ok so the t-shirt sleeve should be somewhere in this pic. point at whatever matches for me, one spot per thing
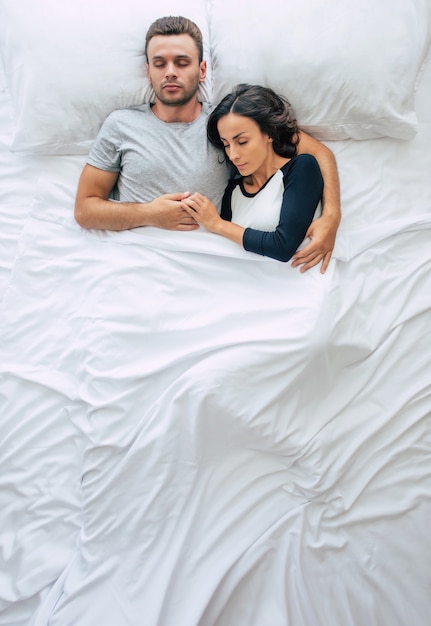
(226, 208)
(105, 153)
(303, 187)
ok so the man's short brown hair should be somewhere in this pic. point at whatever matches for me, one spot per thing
(179, 25)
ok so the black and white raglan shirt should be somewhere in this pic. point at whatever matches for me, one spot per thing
(276, 218)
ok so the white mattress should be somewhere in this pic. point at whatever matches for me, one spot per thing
(195, 435)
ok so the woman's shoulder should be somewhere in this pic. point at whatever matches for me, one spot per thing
(303, 162)
(302, 167)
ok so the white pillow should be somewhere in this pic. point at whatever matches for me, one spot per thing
(348, 68)
(69, 64)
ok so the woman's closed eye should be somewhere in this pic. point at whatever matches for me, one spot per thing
(226, 146)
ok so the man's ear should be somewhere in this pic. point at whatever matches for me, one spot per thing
(147, 72)
(203, 71)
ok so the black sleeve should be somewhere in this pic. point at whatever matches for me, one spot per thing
(303, 187)
(226, 205)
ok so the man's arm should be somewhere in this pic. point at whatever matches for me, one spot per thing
(93, 209)
(323, 230)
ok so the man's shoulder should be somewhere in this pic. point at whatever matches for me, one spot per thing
(207, 107)
(131, 111)
(126, 120)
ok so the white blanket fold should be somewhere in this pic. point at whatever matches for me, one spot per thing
(227, 422)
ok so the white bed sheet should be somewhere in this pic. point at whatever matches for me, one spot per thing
(139, 486)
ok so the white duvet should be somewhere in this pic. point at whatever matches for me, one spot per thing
(244, 439)
(190, 434)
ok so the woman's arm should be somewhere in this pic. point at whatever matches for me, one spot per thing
(303, 189)
(303, 186)
(322, 231)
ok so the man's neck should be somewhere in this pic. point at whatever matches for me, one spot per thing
(184, 113)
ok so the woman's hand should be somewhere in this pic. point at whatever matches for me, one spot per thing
(203, 211)
(206, 214)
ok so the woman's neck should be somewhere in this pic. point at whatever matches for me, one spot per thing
(257, 179)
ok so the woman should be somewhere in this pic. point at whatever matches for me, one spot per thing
(269, 207)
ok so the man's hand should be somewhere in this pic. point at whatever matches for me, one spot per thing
(201, 209)
(322, 234)
(323, 230)
(167, 213)
(95, 209)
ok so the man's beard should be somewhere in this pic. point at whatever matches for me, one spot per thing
(186, 96)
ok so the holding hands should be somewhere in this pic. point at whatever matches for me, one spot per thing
(167, 212)
(201, 209)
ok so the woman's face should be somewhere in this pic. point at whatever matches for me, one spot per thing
(245, 144)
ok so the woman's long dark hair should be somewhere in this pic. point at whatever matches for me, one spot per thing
(271, 112)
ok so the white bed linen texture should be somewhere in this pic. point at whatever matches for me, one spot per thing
(193, 435)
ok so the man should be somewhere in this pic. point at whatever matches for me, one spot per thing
(144, 156)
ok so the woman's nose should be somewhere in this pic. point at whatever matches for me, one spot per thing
(233, 154)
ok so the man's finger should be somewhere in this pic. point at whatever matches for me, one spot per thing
(303, 258)
(325, 262)
(187, 226)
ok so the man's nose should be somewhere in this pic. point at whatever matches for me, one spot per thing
(171, 69)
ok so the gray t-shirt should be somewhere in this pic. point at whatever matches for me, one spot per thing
(155, 157)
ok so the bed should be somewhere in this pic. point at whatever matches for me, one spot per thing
(190, 434)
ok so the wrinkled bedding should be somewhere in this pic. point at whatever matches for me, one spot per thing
(193, 435)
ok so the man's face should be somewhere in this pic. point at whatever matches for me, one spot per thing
(173, 68)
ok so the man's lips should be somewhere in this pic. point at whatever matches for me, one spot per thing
(171, 86)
